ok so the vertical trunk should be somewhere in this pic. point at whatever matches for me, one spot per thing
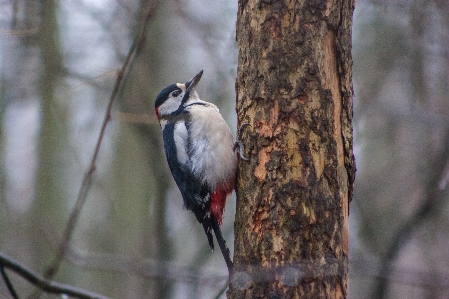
(53, 132)
(138, 151)
(294, 88)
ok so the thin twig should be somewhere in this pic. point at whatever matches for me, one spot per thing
(222, 291)
(433, 200)
(426, 279)
(142, 267)
(45, 284)
(87, 180)
(8, 283)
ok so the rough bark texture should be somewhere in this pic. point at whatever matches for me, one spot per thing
(294, 88)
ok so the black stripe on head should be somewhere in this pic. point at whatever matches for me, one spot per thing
(164, 94)
(185, 98)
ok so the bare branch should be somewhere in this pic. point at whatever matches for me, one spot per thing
(222, 291)
(45, 284)
(433, 200)
(8, 283)
(407, 276)
(139, 39)
(143, 267)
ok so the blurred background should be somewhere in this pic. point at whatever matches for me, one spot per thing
(59, 62)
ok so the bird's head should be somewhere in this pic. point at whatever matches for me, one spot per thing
(173, 98)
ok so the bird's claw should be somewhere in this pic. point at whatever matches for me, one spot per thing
(238, 144)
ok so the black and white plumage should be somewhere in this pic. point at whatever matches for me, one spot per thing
(200, 152)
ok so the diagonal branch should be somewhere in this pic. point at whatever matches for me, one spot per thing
(142, 267)
(87, 180)
(45, 284)
(8, 283)
(434, 198)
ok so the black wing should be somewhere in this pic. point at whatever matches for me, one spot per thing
(195, 194)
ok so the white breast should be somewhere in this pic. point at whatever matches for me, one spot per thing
(180, 138)
(211, 149)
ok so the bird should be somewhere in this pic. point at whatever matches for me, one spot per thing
(201, 154)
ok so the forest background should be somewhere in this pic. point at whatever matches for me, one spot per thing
(133, 238)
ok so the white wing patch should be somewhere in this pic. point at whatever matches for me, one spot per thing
(181, 137)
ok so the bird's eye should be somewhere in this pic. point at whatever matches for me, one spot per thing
(176, 93)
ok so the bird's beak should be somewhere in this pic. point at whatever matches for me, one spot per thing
(194, 81)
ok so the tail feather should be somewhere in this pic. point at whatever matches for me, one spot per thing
(223, 247)
(207, 226)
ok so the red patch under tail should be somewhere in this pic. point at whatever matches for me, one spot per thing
(218, 203)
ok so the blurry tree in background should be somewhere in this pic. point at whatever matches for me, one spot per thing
(399, 214)
(59, 61)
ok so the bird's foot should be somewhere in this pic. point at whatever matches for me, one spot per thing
(238, 145)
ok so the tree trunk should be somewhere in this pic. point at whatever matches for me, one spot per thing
(294, 88)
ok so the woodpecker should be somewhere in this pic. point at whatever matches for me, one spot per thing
(200, 152)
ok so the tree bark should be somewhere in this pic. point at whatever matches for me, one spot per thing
(294, 87)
